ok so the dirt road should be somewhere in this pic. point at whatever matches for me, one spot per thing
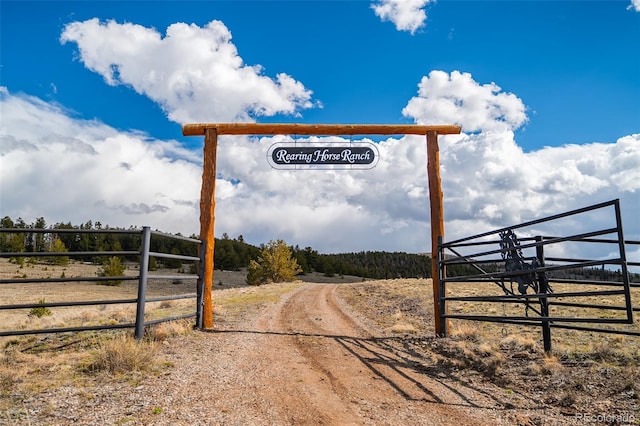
(304, 360)
(336, 373)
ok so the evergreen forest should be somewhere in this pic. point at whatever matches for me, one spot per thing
(230, 253)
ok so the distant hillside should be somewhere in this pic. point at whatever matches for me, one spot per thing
(233, 254)
(368, 264)
(230, 254)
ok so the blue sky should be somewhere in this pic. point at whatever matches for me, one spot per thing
(93, 95)
(574, 64)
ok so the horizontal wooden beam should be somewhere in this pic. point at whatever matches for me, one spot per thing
(198, 129)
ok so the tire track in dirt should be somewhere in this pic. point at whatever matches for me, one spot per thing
(303, 361)
(308, 393)
(349, 377)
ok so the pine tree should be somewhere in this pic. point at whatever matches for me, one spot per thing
(57, 246)
(113, 267)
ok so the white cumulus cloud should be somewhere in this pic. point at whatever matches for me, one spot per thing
(406, 15)
(490, 182)
(66, 169)
(635, 5)
(194, 73)
(458, 98)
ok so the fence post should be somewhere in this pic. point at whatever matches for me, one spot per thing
(623, 263)
(142, 281)
(442, 275)
(544, 303)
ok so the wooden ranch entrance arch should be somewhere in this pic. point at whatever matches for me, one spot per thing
(211, 131)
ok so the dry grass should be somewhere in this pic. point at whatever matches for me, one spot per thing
(483, 357)
(584, 366)
(550, 365)
(122, 354)
(402, 325)
(403, 328)
(33, 365)
(520, 343)
(468, 331)
(391, 302)
(7, 380)
(229, 304)
(256, 295)
(168, 329)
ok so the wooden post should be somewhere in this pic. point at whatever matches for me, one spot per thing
(437, 224)
(198, 129)
(207, 220)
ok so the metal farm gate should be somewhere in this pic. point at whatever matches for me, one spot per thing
(139, 251)
(530, 274)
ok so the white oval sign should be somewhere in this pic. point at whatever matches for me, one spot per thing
(323, 155)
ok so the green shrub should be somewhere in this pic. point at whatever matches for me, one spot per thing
(40, 311)
(274, 265)
(57, 246)
(17, 261)
(153, 263)
(113, 267)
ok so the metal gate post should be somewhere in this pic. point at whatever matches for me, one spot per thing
(142, 281)
(442, 274)
(544, 303)
(623, 263)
